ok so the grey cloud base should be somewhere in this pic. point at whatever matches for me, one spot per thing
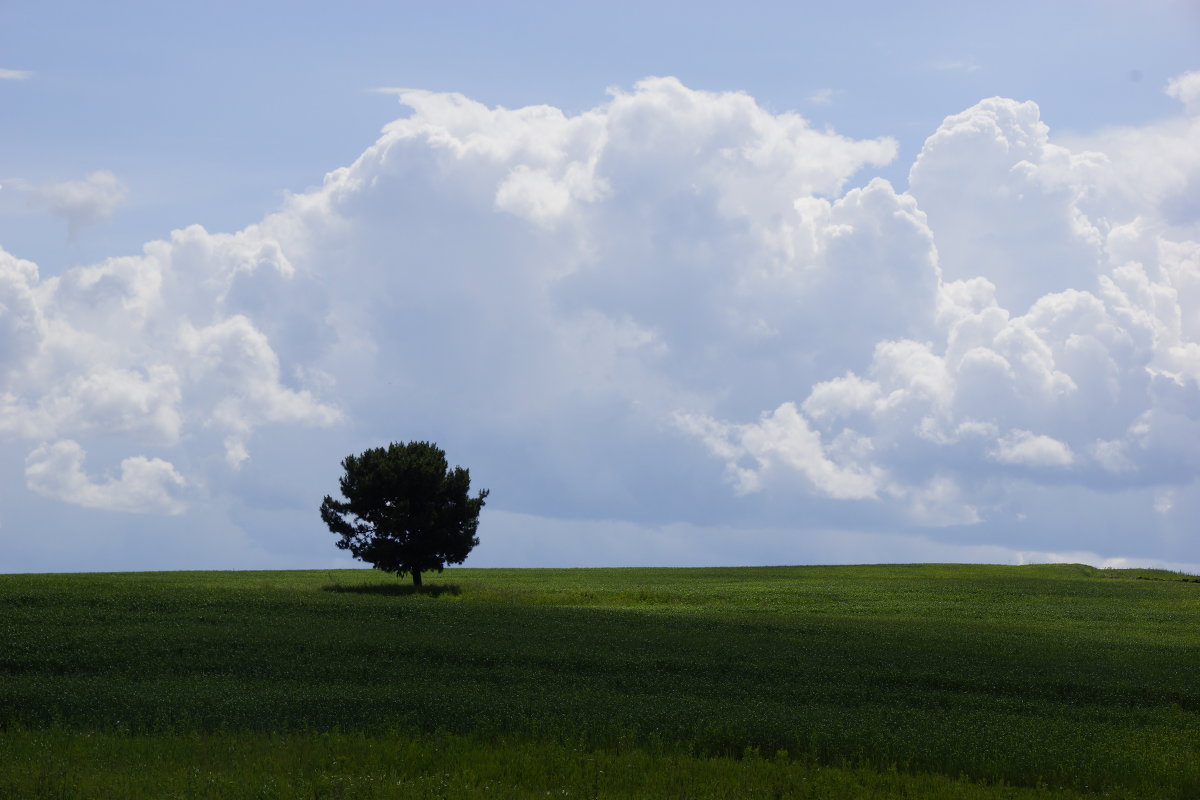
(676, 312)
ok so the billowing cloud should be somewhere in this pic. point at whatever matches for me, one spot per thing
(94, 199)
(145, 485)
(674, 309)
(155, 350)
(783, 439)
(1063, 347)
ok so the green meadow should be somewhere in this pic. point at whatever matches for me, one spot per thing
(877, 681)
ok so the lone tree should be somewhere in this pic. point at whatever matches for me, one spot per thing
(406, 510)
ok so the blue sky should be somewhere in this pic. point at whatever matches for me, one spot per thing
(212, 110)
(773, 285)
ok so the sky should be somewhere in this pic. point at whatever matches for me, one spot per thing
(680, 284)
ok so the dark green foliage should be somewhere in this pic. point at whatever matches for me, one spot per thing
(406, 511)
(1061, 676)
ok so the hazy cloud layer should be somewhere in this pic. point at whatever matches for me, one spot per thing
(674, 309)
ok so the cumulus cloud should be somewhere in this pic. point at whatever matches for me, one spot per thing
(1030, 449)
(21, 320)
(1056, 343)
(1186, 88)
(158, 349)
(86, 202)
(1002, 202)
(783, 439)
(144, 486)
(675, 307)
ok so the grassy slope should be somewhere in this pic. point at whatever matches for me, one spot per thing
(1063, 676)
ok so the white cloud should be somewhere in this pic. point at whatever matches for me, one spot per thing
(158, 349)
(1001, 200)
(15, 74)
(783, 439)
(842, 397)
(239, 371)
(1031, 450)
(89, 201)
(1186, 88)
(143, 404)
(1015, 219)
(21, 322)
(145, 485)
(672, 308)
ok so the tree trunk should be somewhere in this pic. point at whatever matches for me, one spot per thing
(416, 573)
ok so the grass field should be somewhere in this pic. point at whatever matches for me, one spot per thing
(880, 681)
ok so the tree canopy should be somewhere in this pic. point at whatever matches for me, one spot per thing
(405, 511)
